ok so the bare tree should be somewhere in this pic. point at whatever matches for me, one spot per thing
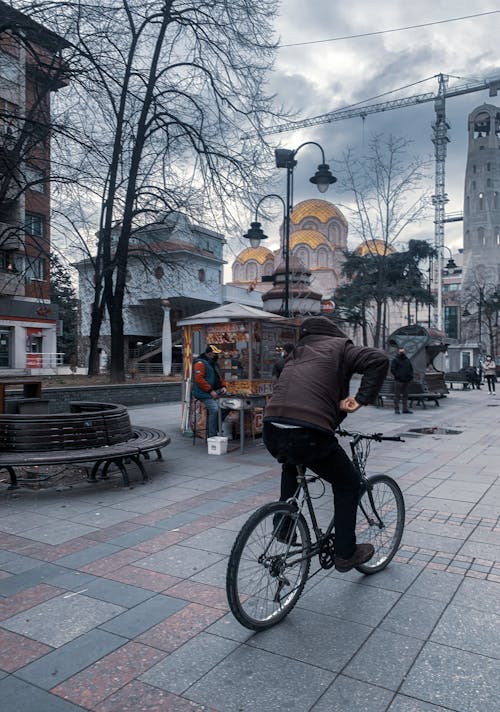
(164, 93)
(389, 197)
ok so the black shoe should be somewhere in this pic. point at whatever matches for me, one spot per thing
(407, 411)
(362, 554)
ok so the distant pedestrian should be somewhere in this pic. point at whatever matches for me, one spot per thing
(279, 365)
(402, 370)
(490, 373)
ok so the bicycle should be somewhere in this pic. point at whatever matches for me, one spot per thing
(270, 560)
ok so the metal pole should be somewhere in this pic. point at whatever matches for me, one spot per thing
(286, 246)
(480, 317)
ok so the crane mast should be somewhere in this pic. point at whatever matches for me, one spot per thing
(440, 139)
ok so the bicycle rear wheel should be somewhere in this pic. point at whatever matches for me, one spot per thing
(380, 521)
(268, 565)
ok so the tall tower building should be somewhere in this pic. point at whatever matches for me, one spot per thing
(482, 199)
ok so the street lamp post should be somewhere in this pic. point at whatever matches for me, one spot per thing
(323, 178)
(450, 265)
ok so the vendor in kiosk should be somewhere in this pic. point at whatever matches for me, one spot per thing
(209, 385)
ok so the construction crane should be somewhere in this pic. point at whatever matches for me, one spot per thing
(440, 139)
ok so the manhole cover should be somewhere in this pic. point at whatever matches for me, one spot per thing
(435, 431)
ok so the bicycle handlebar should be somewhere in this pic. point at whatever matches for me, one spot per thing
(378, 437)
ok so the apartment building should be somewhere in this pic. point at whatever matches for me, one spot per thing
(31, 69)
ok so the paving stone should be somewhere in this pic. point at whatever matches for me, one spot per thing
(189, 663)
(480, 550)
(316, 639)
(481, 595)
(72, 580)
(216, 540)
(26, 598)
(176, 521)
(180, 627)
(395, 577)
(151, 580)
(17, 651)
(228, 627)
(454, 679)
(347, 694)
(69, 659)
(413, 616)
(61, 619)
(58, 533)
(349, 601)
(143, 616)
(469, 629)
(214, 575)
(22, 697)
(179, 560)
(384, 659)
(136, 536)
(139, 697)
(438, 585)
(209, 507)
(92, 685)
(431, 541)
(264, 682)
(42, 574)
(86, 556)
(18, 564)
(114, 592)
(401, 703)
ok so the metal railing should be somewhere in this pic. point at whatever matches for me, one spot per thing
(44, 360)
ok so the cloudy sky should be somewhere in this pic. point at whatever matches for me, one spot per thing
(313, 77)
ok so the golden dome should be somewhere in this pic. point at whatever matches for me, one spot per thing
(374, 247)
(259, 254)
(312, 238)
(322, 210)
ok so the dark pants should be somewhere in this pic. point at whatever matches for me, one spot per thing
(401, 392)
(491, 380)
(322, 454)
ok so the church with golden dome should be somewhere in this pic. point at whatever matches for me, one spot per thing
(318, 238)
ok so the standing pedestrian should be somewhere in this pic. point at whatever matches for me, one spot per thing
(279, 365)
(402, 370)
(490, 373)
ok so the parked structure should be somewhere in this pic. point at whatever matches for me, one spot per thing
(31, 69)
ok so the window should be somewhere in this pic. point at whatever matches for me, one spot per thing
(495, 200)
(451, 321)
(465, 359)
(481, 201)
(34, 224)
(34, 269)
(202, 275)
(159, 272)
(8, 68)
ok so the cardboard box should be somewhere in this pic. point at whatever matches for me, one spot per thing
(217, 445)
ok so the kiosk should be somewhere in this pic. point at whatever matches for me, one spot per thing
(422, 345)
(250, 339)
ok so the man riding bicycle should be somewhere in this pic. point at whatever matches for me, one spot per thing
(309, 401)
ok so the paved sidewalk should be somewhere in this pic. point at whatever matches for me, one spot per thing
(113, 599)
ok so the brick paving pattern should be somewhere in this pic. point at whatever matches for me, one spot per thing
(113, 599)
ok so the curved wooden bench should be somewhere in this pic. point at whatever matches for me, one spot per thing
(92, 432)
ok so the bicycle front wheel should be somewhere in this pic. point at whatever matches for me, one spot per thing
(268, 565)
(380, 521)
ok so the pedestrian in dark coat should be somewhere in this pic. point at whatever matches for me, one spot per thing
(402, 370)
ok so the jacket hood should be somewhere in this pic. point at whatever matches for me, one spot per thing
(320, 325)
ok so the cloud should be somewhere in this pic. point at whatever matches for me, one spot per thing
(319, 78)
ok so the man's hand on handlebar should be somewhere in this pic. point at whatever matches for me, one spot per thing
(349, 404)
